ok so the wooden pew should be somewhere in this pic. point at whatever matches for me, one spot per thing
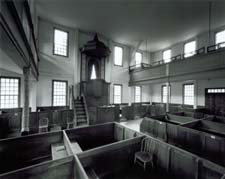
(57, 169)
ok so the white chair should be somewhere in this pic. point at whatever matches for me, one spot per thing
(223, 177)
(43, 125)
(145, 156)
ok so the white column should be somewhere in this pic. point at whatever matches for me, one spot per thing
(25, 114)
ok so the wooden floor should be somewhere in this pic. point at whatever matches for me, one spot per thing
(132, 124)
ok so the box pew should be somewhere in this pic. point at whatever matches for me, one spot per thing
(211, 127)
(211, 147)
(28, 150)
(110, 158)
(57, 169)
(220, 119)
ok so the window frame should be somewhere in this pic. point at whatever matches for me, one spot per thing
(218, 44)
(135, 94)
(19, 89)
(67, 48)
(194, 52)
(183, 96)
(115, 55)
(169, 49)
(169, 86)
(138, 65)
(54, 80)
(121, 95)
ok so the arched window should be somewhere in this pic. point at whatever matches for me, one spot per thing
(93, 72)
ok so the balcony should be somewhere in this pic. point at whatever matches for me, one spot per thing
(205, 63)
(17, 34)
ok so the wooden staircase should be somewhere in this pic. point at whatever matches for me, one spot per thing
(80, 110)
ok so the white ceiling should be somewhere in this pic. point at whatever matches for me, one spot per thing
(162, 22)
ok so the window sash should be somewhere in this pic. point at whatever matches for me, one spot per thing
(60, 42)
(188, 94)
(138, 59)
(118, 56)
(137, 94)
(189, 49)
(59, 93)
(9, 92)
(167, 56)
(220, 38)
(165, 94)
(117, 95)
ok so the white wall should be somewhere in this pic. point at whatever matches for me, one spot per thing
(178, 48)
(177, 90)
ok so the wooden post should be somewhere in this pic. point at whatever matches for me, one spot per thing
(26, 111)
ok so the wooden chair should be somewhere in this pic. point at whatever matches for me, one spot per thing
(70, 120)
(43, 125)
(145, 156)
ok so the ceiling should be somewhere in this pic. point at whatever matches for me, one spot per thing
(160, 23)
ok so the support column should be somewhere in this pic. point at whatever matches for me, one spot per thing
(26, 112)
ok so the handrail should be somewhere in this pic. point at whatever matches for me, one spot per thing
(200, 51)
(85, 107)
(73, 104)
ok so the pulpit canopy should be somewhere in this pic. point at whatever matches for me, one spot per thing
(96, 48)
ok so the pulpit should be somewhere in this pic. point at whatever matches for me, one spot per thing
(93, 85)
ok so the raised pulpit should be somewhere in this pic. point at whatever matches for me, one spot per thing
(93, 85)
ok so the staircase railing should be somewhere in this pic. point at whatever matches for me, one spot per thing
(85, 107)
(74, 109)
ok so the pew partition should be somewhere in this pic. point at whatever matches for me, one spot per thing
(58, 169)
(211, 147)
(30, 150)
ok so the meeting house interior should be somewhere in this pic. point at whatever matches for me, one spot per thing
(112, 89)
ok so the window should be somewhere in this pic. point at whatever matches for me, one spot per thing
(165, 93)
(118, 56)
(9, 92)
(117, 94)
(167, 56)
(93, 73)
(137, 94)
(220, 38)
(60, 43)
(59, 93)
(188, 94)
(216, 90)
(189, 49)
(138, 59)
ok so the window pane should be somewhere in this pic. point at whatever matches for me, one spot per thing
(60, 42)
(167, 56)
(137, 94)
(118, 56)
(93, 73)
(189, 49)
(9, 93)
(138, 59)
(220, 37)
(189, 94)
(165, 94)
(117, 94)
(59, 93)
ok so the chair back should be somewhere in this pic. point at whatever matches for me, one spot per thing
(43, 122)
(223, 177)
(70, 117)
(147, 145)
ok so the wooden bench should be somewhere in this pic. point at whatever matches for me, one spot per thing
(58, 151)
(76, 147)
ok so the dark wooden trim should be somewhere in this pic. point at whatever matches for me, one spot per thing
(67, 48)
(54, 80)
(121, 93)
(14, 13)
